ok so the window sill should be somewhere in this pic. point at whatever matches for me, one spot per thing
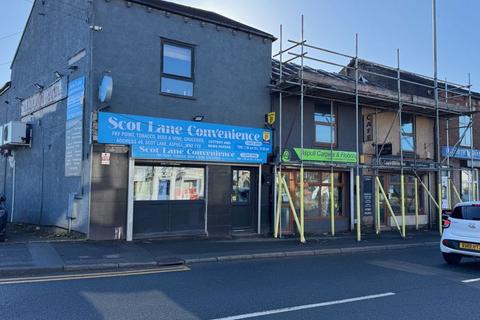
(172, 95)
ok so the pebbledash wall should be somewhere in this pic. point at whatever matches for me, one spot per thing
(231, 67)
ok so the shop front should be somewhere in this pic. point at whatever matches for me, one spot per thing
(190, 178)
(391, 183)
(327, 191)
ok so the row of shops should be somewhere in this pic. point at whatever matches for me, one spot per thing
(194, 130)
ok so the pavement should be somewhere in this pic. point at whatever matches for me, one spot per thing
(401, 284)
(73, 256)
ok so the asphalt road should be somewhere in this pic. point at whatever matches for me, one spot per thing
(397, 284)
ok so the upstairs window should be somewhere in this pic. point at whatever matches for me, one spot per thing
(177, 69)
(325, 124)
(408, 134)
(465, 130)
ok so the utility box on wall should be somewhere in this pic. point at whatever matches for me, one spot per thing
(15, 133)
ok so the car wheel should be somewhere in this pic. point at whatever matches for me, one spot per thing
(452, 258)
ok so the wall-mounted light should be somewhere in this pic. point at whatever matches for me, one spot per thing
(57, 74)
(198, 118)
(38, 86)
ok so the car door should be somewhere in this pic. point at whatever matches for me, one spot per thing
(466, 222)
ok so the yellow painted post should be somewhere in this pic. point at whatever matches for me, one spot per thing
(279, 205)
(416, 202)
(440, 208)
(359, 232)
(402, 206)
(377, 205)
(332, 203)
(302, 205)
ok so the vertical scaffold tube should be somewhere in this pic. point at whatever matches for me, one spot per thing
(302, 205)
(416, 202)
(332, 203)
(279, 204)
(402, 195)
(377, 205)
(440, 208)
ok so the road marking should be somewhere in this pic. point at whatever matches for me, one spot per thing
(471, 280)
(91, 275)
(307, 306)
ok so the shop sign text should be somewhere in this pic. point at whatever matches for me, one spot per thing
(170, 139)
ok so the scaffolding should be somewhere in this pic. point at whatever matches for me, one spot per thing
(443, 101)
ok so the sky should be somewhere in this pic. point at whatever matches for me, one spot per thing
(382, 27)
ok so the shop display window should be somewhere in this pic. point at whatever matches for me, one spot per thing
(157, 183)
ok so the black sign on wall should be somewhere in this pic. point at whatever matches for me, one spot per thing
(367, 195)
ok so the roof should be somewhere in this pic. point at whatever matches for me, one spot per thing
(341, 86)
(5, 87)
(410, 78)
(203, 15)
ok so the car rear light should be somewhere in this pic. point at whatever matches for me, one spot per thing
(446, 223)
(476, 205)
(445, 242)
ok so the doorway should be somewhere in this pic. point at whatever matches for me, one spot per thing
(243, 198)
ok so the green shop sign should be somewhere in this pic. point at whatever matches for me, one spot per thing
(323, 155)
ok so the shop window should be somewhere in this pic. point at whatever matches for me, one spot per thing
(157, 183)
(241, 186)
(317, 193)
(408, 134)
(394, 194)
(177, 69)
(465, 131)
(325, 124)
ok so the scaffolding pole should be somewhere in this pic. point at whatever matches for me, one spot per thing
(332, 187)
(402, 178)
(357, 160)
(416, 202)
(471, 140)
(437, 114)
(302, 184)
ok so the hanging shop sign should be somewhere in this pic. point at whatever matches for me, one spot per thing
(325, 155)
(461, 153)
(40, 100)
(74, 127)
(169, 139)
(368, 127)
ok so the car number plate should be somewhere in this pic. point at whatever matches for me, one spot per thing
(470, 246)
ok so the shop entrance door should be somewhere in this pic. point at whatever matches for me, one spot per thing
(243, 198)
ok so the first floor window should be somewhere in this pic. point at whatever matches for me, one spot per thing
(177, 69)
(325, 124)
(465, 131)
(408, 134)
(159, 183)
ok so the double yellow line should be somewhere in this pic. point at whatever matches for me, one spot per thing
(95, 275)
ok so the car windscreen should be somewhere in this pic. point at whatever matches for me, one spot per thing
(466, 213)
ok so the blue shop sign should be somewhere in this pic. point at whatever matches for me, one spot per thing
(169, 139)
(461, 153)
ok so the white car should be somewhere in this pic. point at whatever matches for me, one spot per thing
(461, 233)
